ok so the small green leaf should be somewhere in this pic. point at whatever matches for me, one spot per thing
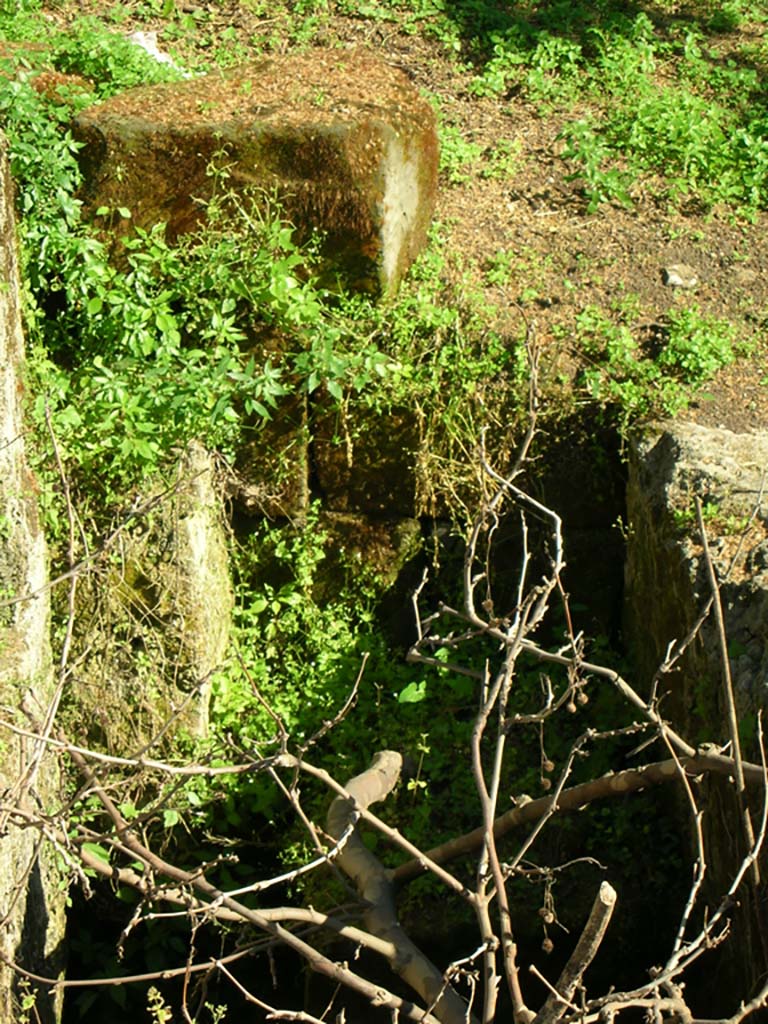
(335, 390)
(413, 693)
(95, 850)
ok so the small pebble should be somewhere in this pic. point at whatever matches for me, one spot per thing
(680, 275)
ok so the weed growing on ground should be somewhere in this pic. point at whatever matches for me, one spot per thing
(458, 155)
(633, 382)
(662, 101)
(695, 346)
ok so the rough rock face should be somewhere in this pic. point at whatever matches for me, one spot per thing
(669, 466)
(375, 471)
(31, 906)
(203, 588)
(154, 629)
(347, 142)
(667, 586)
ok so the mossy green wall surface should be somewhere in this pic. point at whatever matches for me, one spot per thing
(31, 904)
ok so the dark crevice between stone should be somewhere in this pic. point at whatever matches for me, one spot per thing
(31, 949)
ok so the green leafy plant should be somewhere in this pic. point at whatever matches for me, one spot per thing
(111, 61)
(696, 346)
(722, 523)
(161, 344)
(458, 155)
(27, 1003)
(635, 383)
(159, 1011)
(14, 8)
(586, 146)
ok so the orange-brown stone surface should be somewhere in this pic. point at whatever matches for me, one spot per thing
(344, 139)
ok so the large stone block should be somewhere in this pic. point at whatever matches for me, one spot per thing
(667, 586)
(671, 465)
(344, 139)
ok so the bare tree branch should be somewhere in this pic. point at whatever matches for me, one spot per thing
(730, 699)
(374, 884)
(582, 956)
(615, 784)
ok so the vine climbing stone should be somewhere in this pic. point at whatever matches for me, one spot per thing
(342, 138)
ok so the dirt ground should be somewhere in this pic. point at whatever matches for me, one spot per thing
(568, 258)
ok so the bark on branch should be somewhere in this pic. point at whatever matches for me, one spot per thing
(374, 883)
(376, 995)
(572, 799)
(582, 956)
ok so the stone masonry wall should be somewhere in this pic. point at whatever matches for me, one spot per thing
(31, 904)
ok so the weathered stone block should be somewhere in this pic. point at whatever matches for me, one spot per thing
(383, 547)
(344, 138)
(369, 464)
(670, 465)
(666, 588)
(155, 628)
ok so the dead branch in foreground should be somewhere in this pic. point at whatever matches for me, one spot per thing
(473, 988)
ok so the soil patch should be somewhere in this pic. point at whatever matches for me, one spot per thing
(558, 259)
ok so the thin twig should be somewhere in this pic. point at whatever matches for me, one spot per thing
(730, 699)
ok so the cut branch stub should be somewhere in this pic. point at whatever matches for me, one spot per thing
(582, 956)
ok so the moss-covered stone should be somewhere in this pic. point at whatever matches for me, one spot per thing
(670, 466)
(155, 628)
(31, 900)
(368, 462)
(344, 138)
(380, 547)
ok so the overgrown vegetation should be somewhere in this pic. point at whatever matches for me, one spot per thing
(631, 377)
(132, 363)
(213, 334)
(136, 362)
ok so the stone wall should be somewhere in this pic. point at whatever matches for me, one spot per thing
(667, 586)
(31, 903)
